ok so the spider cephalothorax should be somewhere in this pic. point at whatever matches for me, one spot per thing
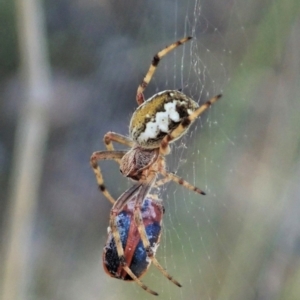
(136, 160)
(156, 123)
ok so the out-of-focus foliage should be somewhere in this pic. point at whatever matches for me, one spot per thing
(8, 39)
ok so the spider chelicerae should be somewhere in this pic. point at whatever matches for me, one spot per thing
(156, 123)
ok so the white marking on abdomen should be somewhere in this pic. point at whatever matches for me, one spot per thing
(161, 123)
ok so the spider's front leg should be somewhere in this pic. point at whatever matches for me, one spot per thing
(178, 180)
(110, 154)
(118, 138)
(184, 124)
(100, 155)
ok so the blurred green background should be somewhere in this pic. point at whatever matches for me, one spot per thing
(242, 240)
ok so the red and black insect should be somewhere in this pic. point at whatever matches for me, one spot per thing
(140, 232)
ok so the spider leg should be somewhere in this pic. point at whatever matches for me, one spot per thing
(180, 181)
(109, 137)
(186, 122)
(121, 256)
(162, 181)
(139, 96)
(101, 155)
(150, 253)
(137, 190)
(118, 138)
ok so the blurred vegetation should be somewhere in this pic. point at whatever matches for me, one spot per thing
(8, 39)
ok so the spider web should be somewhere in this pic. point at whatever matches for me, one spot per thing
(194, 247)
(214, 245)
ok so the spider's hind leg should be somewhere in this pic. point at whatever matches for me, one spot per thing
(150, 253)
(120, 251)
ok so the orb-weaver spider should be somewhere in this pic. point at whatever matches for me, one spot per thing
(155, 124)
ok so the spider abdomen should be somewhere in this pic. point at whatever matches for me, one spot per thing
(158, 116)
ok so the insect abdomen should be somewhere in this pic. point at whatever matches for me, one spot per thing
(134, 250)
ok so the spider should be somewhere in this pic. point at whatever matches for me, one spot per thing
(156, 123)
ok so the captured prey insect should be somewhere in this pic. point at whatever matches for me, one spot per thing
(139, 225)
(156, 123)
